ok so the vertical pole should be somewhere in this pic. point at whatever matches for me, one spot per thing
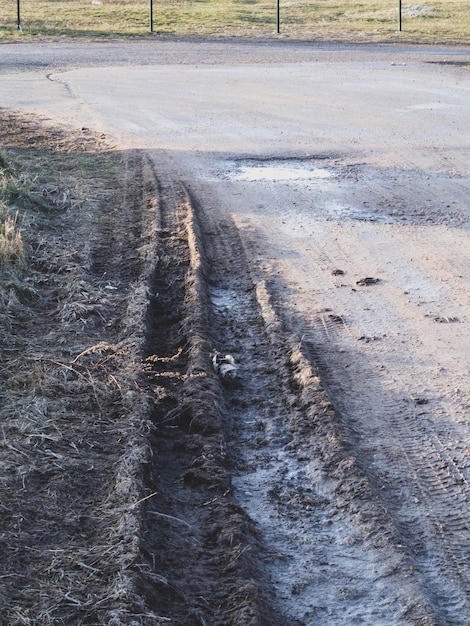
(278, 17)
(18, 14)
(151, 16)
(399, 16)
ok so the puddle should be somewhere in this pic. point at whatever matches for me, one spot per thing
(302, 187)
(280, 171)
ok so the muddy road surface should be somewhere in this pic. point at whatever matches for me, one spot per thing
(311, 210)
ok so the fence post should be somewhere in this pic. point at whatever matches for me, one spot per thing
(18, 14)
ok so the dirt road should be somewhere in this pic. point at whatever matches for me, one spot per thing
(312, 221)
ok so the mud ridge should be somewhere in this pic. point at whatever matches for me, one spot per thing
(308, 396)
(71, 412)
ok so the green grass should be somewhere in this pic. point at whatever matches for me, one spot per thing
(374, 20)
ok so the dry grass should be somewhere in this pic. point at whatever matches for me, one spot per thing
(22, 195)
(11, 241)
(71, 410)
(375, 20)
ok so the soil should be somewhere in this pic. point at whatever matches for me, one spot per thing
(138, 486)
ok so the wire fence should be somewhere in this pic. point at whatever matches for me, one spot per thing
(437, 21)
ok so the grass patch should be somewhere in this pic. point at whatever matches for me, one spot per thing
(41, 187)
(11, 241)
(435, 21)
(71, 412)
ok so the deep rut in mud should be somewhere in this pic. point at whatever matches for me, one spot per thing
(200, 546)
(262, 514)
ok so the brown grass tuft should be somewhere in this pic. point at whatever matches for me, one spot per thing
(11, 241)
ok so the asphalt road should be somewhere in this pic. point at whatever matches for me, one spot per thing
(264, 98)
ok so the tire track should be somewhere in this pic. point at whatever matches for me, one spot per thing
(421, 471)
(319, 484)
(330, 551)
(199, 549)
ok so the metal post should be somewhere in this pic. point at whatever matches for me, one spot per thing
(151, 16)
(18, 14)
(278, 17)
(399, 16)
